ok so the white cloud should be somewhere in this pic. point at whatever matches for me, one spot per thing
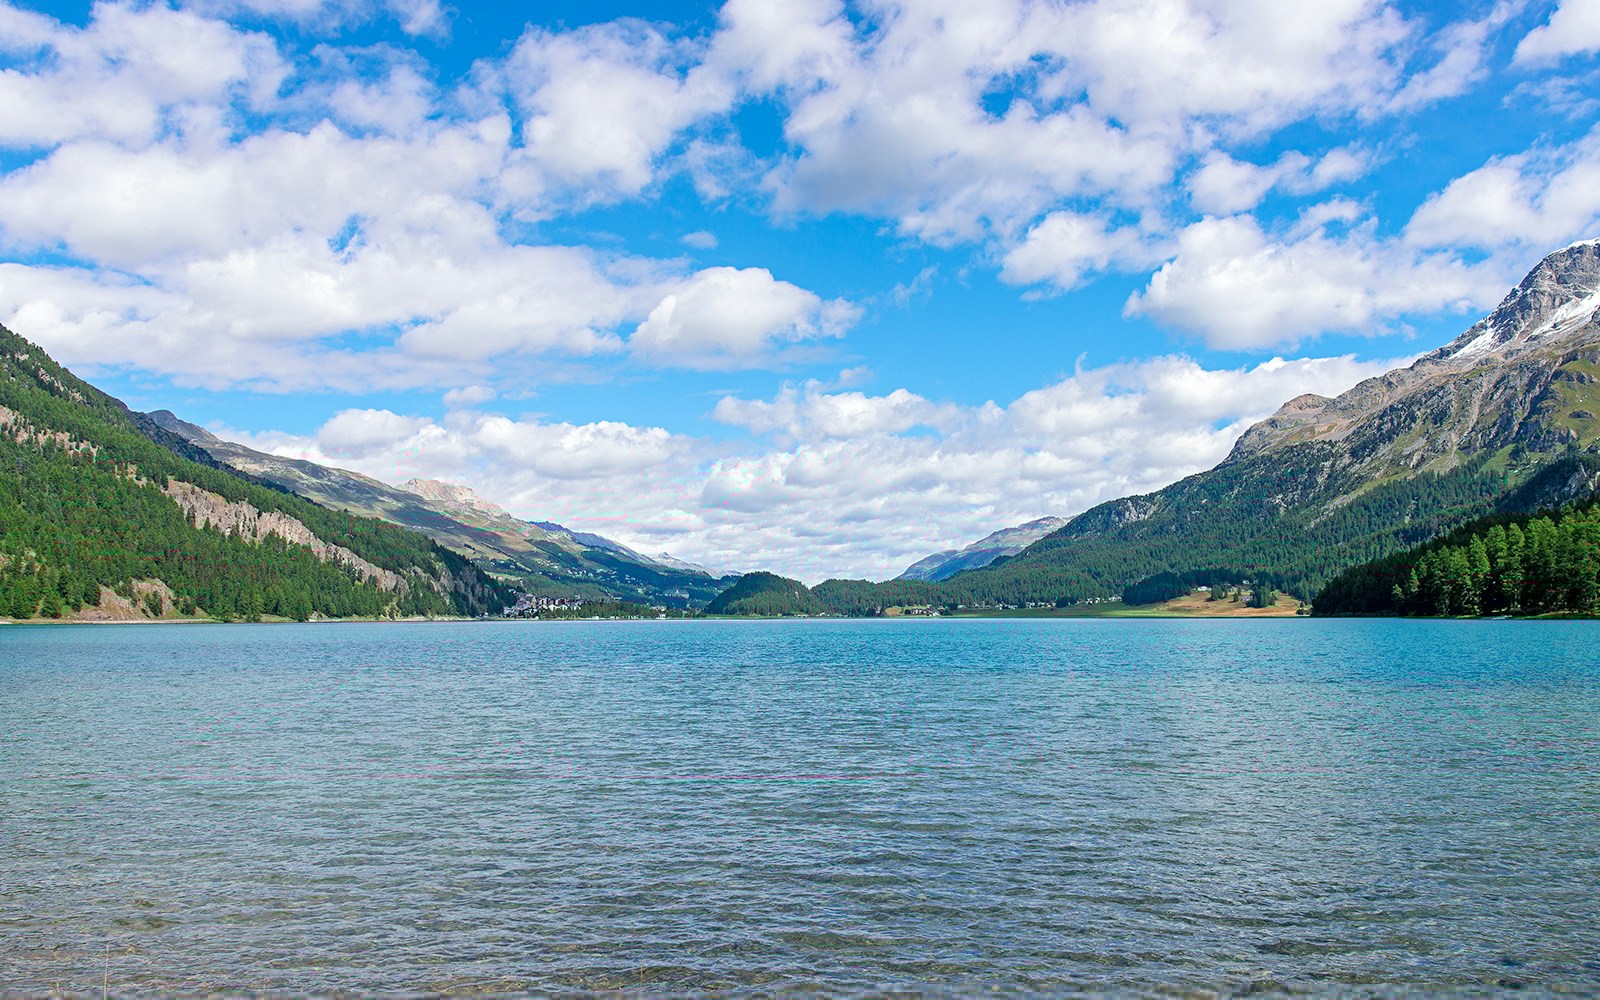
(1536, 201)
(398, 104)
(133, 73)
(928, 155)
(700, 239)
(1464, 48)
(1573, 28)
(848, 483)
(600, 451)
(420, 17)
(894, 122)
(387, 202)
(356, 433)
(728, 317)
(175, 201)
(231, 262)
(1240, 289)
(784, 45)
(1225, 186)
(601, 105)
(808, 412)
(415, 17)
(1572, 96)
(1067, 247)
(1247, 66)
(468, 396)
(1102, 100)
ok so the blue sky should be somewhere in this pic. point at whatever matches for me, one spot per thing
(808, 286)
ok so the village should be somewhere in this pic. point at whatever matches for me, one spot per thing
(543, 606)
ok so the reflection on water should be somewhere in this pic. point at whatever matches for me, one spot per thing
(959, 806)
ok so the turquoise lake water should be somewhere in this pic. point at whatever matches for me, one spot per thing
(1049, 806)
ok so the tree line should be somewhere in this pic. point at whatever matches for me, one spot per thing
(1546, 563)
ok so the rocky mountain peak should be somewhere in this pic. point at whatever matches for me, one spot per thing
(1538, 326)
(1555, 303)
(169, 421)
(450, 495)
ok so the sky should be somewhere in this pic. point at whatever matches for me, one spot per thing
(805, 286)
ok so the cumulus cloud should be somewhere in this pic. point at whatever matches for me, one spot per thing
(390, 201)
(130, 75)
(601, 105)
(1066, 247)
(808, 412)
(1573, 28)
(238, 261)
(1240, 289)
(468, 396)
(1536, 200)
(354, 433)
(731, 317)
(840, 482)
(1224, 186)
(897, 116)
(397, 103)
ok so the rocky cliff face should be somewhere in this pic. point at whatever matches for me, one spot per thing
(238, 518)
(452, 496)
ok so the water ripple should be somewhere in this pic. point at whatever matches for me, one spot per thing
(1172, 809)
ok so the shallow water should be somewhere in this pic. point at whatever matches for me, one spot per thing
(957, 806)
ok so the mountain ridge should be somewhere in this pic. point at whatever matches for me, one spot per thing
(544, 558)
(1005, 542)
(1501, 417)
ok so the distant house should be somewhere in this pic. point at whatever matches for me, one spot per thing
(529, 605)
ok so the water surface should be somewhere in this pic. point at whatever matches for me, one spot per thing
(1051, 806)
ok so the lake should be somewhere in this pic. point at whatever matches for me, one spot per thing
(954, 806)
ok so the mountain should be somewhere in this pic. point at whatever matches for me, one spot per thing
(1502, 419)
(1005, 542)
(672, 562)
(104, 514)
(1525, 375)
(765, 594)
(542, 557)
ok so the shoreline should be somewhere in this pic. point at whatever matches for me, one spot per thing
(1029, 614)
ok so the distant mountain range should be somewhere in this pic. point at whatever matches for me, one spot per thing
(1005, 542)
(1502, 419)
(540, 556)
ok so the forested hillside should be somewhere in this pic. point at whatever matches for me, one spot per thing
(1526, 564)
(765, 594)
(91, 506)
